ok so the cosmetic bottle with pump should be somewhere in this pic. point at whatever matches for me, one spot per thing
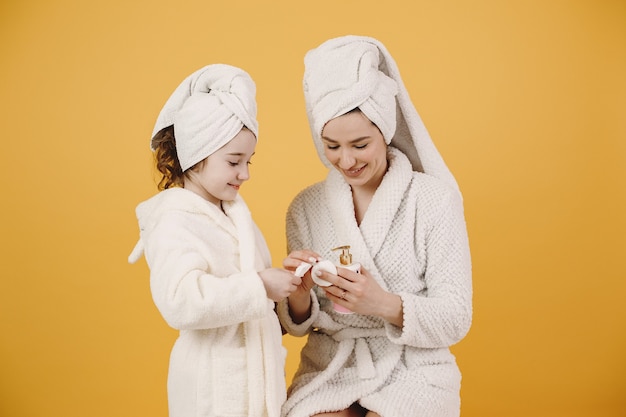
(345, 261)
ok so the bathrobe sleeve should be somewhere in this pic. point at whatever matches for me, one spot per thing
(194, 278)
(442, 315)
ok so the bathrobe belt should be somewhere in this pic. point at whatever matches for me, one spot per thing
(354, 340)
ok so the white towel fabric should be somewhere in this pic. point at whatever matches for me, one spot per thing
(357, 71)
(207, 110)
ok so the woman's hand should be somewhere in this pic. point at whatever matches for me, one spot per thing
(300, 299)
(361, 293)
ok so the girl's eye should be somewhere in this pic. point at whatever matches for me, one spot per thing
(332, 147)
(360, 146)
(233, 164)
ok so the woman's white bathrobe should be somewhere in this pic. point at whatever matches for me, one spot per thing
(228, 359)
(413, 240)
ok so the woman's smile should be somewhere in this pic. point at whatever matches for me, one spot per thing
(356, 148)
(355, 172)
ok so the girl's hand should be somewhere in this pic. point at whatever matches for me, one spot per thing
(361, 293)
(279, 283)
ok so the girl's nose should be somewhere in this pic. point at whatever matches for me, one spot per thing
(244, 173)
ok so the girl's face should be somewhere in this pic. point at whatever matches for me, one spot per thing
(220, 175)
(357, 149)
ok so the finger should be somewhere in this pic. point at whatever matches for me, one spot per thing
(347, 274)
(334, 291)
(342, 293)
(331, 279)
(306, 255)
(291, 263)
(294, 260)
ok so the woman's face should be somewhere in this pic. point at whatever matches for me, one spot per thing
(357, 149)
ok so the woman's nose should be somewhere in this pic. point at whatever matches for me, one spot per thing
(346, 159)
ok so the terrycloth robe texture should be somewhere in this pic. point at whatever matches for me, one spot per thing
(413, 240)
(207, 110)
(228, 359)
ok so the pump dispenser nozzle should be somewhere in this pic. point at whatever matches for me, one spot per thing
(345, 258)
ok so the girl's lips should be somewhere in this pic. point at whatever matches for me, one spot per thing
(235, 186)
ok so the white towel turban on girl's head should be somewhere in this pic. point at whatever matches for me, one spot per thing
(207, 110)
(357, 71)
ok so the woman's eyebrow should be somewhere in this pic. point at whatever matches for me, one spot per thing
(327, 139)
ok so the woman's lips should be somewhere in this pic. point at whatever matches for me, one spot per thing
(353, 172)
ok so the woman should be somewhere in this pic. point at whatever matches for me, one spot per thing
(391, 198)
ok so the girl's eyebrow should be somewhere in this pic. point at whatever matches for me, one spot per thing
(239, 154)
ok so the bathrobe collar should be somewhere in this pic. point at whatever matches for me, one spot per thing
(235, 220)
(367, 239)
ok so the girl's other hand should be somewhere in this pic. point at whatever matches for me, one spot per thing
(279, 283)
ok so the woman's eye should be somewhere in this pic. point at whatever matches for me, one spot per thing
(332, 147)
(360, 146)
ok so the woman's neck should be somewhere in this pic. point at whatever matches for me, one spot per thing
(361, 198)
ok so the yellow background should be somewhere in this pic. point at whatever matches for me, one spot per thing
(525, 100)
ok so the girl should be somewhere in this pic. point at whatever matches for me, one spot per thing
(210, 273)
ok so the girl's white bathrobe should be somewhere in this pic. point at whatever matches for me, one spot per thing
(228, 359)
(414, 242)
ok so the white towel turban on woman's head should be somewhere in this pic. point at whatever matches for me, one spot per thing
(207, 110)
(358, 72)
(345, 76)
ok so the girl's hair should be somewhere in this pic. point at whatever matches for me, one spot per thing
(166, 159)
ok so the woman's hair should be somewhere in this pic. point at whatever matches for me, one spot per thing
(166, 159)
(358, 110)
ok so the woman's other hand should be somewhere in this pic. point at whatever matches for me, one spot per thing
(300, 298)
(361, 293)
